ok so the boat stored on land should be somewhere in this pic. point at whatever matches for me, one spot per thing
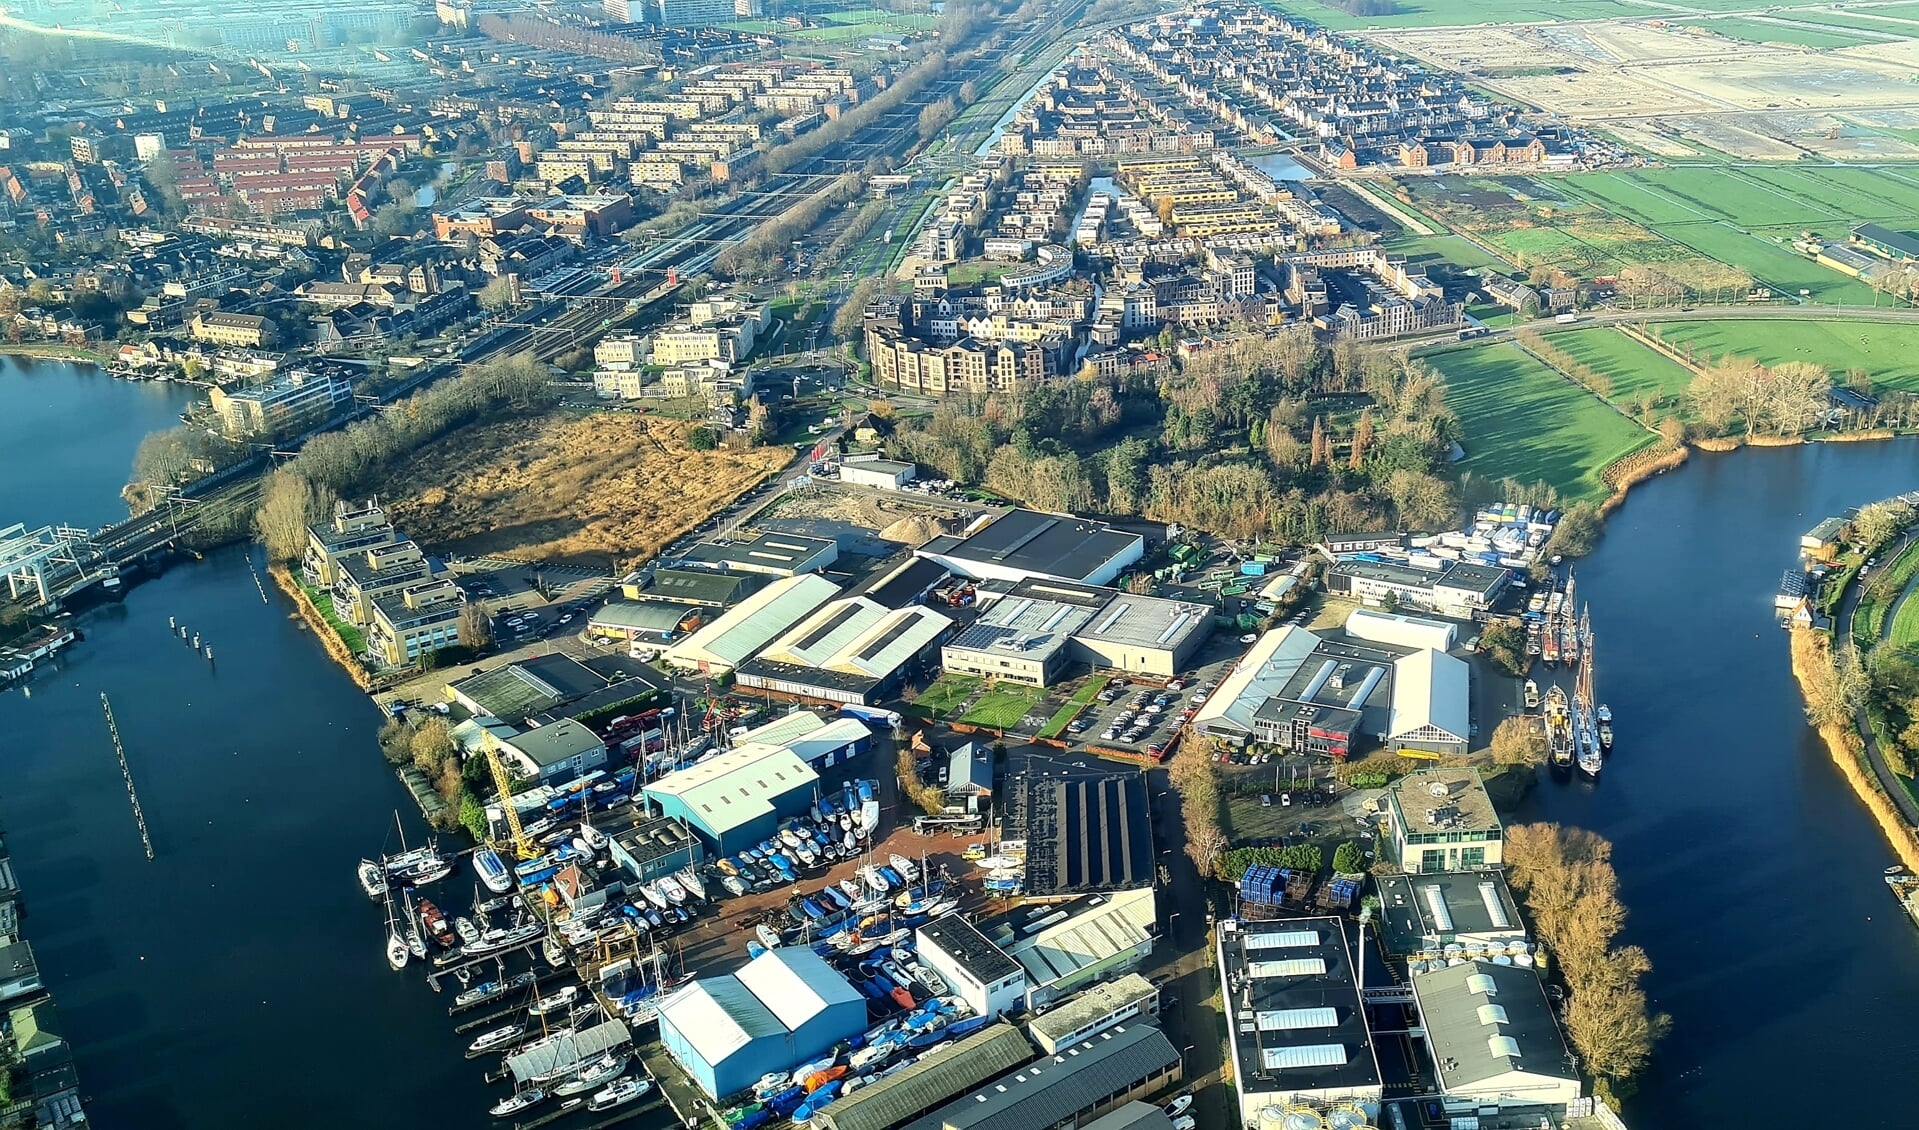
(492, 871)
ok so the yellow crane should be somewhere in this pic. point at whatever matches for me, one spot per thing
(522, 847)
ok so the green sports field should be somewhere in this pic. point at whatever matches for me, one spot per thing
(1523, 421)
(1636, 370)
(1887, 351)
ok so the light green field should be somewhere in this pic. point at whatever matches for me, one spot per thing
(1636, 370)
(1459, 251)
(1523, 421)
(1862, 22)
(1762, 31)
(1887, 351)
(1904, 633)
(1450, 13)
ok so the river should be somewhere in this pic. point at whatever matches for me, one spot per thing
(1751, 871)
(67, 436)
(237, 979)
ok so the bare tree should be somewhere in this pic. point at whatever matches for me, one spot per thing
(1520, 741)
(476, 627)
(288, 506)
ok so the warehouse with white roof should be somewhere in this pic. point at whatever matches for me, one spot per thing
(855, 650)
(785, 1007)
(1432, 712)
(743, 630)
(735, 799)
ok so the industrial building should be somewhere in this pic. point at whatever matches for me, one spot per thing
(1455, 588)
(1092, 1011)
(1021, 543)
(743, 630)
(775, 554)
(850, 651)
(1040, 627)
(882, 474)
(556, 753)
(1427, 913)
(738, 798)
(1294, 1017)
(1080, 833)
(781, 1009)
(815, 740)
(935, 1078)
(645, 621)
(519, 690)
(1091, 1078)
(978, 971)
(702, 588)
(1060, 948)
(1296, 690)
(654, 846)
(1401, 631)
(1493, 1036)
(1442, 820)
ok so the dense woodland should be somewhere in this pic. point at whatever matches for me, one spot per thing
(1263, 438)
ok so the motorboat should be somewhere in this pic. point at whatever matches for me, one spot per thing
(495, 940)
(492, 871)
(555, 1002)
(652, 894)
(619, 1094)
(671, 888)
(853, 890)
(1178, 1106)
(489, 990)
(469, 933)
(372, 879)
(435, 925)
(770, 1084)
(490, 1040)
(922, 973)
(733, 886)
(1532, 695)
(768, 936)
(532, 1096)
(907, 869)
(601, 1071)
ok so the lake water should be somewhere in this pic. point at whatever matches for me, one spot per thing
(237, 980)
(67, 436)
(1281, 167)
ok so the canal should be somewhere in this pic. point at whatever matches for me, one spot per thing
(1751, 872)
(238, 979)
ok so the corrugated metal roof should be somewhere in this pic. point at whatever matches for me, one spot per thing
(1059, 951)
(565, 1050)
(756, 621)
(1261, 674)
(1430, 689)
(641, 615)
(796, 985)
(936, 1079)
(859, 636)
(735, 787)
(1484, 1020)
(1054, 1089)
(783, 730)
(718, 1016)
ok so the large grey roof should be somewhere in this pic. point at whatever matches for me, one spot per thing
(1091, 1003)
(1059, 1086)
(897, 1098)
(550, 745)
(1147, 621)
(1463, 1018)
(1046, 544)
(1135, 1115)
(1293, 1008)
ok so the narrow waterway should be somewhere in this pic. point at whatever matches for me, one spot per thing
(67, 437)
(1751, 872)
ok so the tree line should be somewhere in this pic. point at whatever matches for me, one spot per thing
(759, 253)
(1267, 437)
(1566, 879)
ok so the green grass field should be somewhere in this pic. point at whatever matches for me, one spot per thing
(351, 636)
(1636, 370)
(1905, 626)
(1887, 351)
(1452, 13)
(1523, 421)
(1864, 22)
(1762, 31)
(1456, 250)
(1003, 706)
(944, 695)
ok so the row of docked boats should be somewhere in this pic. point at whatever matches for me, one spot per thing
(892, 1046)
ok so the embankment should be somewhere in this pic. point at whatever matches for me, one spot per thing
(1810, 651)
(1622, 474)
(314, 620)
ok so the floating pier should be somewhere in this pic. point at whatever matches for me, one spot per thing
(120, 751)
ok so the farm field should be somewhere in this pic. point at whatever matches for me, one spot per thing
(1887, 351)
(1636, 370)
(1454, 249)
(1455, 13)
(1866, 21)
(1766, 31)
(1523, 421)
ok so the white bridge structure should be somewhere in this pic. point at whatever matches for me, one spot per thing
(33, 559)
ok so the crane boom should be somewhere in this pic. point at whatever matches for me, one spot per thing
(522, 847)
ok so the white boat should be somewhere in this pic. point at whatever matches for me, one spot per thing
(555, 1002)
(372, 879)
(554, 951)
(1604, 713)
(397, 954)
(492, 871)
(619, 1094)
(770, 1084)
(694, 886)
(908, 870)
(1178, 1106)
(495, 940)
(769, 937)
(594, 838)
(671, 888)
(733, 886)
(875, 880)
(869, 816)
(601, 1071)
(532, 1096)
(495, 1038)
(468, 932)
(934, 983)
(653, 896)
(998, 862)
(853, 889)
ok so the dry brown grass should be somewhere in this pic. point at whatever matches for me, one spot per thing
(567, 487)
